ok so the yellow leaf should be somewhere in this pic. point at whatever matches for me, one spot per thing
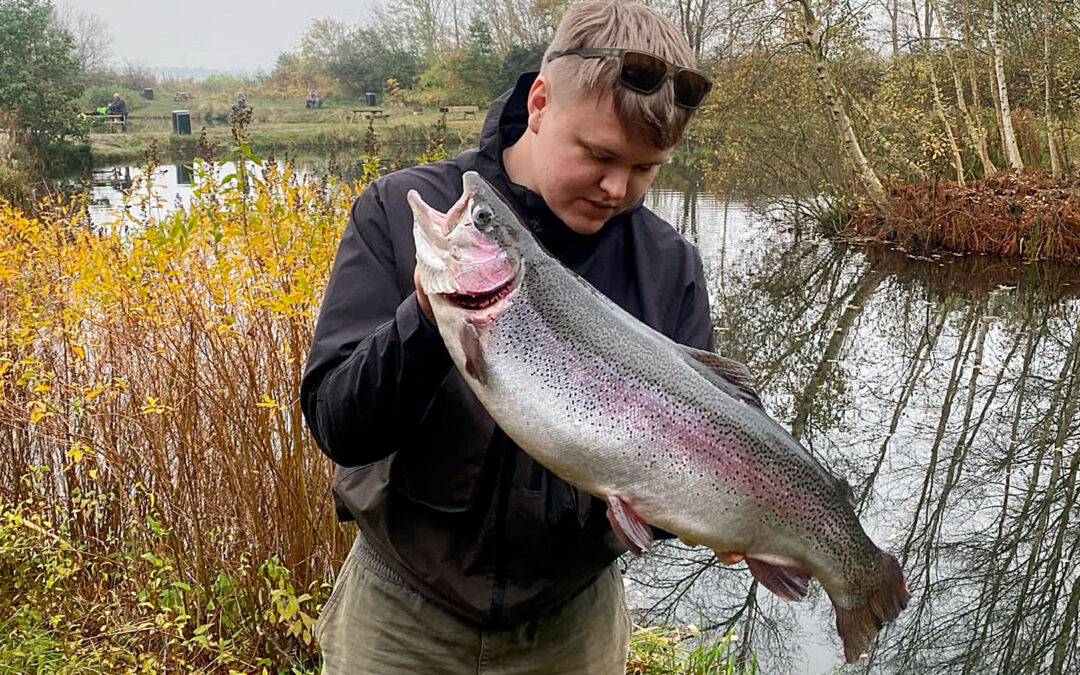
(77, 451)
(79, 351)
(42, 387)
(37, 411)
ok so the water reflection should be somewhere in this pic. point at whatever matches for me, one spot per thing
(173, 184)
(945, 390)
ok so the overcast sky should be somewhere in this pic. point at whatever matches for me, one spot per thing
(215, 34)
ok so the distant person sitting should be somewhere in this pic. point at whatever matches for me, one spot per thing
(118, 107)
(318, 101)
(310, 102)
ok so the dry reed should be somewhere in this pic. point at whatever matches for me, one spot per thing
(1027, 215)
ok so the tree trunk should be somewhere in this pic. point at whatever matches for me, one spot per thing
(1012, 151)
(997, 103)
(939, 108)
(1051, 125)
(895, 33)
(928, 29)
(976, 133)
(833, 104)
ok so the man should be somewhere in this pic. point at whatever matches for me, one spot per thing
(118, 107)
(471, 557)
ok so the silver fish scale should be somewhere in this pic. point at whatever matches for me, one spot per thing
(615, 408)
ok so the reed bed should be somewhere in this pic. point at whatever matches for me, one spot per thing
(1026, 215)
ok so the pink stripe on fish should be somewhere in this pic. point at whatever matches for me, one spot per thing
(668, 423)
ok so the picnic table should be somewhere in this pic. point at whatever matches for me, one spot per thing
(465, 110)
(114, 123)
(183, 96)
(369, 114)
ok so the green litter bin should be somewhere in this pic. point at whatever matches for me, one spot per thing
(181, 122)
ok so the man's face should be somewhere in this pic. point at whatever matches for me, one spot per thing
(116, 97)
(588, 168)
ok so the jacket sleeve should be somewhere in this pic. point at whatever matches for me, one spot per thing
(695, 319)
(376, 362)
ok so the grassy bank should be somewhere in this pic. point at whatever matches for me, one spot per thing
(276, 127)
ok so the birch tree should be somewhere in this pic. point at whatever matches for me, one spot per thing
(1012, 150)
(976, 133)
(1051, 125)
(939, 108)
(813, 40)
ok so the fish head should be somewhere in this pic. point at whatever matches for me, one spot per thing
(469, 257)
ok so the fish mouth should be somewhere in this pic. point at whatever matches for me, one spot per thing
(483, 300)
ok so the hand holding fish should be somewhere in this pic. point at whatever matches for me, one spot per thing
(422, 297)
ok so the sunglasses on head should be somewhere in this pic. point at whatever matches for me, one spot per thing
(644, 73)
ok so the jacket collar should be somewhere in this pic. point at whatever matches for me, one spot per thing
(506, 121)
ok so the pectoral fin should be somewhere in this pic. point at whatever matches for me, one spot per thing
(629, 527)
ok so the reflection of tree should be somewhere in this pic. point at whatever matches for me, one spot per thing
(864, 288)
(988, 596)
(912, 377)
(949, 401)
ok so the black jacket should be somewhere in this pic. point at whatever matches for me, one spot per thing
(442, 494)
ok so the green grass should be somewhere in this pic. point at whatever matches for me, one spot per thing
(682, 651)
(277, 127)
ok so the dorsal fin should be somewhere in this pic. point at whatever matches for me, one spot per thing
(728, 370)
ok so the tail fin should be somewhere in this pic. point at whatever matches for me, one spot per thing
(858, 626)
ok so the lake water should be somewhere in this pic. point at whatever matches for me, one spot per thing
(943, 389)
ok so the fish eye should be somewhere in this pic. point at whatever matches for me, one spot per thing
(482, 216)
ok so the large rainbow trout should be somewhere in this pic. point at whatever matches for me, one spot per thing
(667, 435)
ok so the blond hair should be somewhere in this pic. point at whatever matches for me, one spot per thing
(608, 23)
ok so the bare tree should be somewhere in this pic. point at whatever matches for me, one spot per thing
(91, 33)
(1051, 124)
(522, 22)
(939, 108)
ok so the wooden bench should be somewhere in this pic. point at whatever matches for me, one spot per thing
(114, 123)
(369, 114)
(465, 110)
(183, 96)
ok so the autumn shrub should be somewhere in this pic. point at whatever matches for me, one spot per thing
(161, 503)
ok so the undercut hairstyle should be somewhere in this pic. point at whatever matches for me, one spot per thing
(607, 24)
